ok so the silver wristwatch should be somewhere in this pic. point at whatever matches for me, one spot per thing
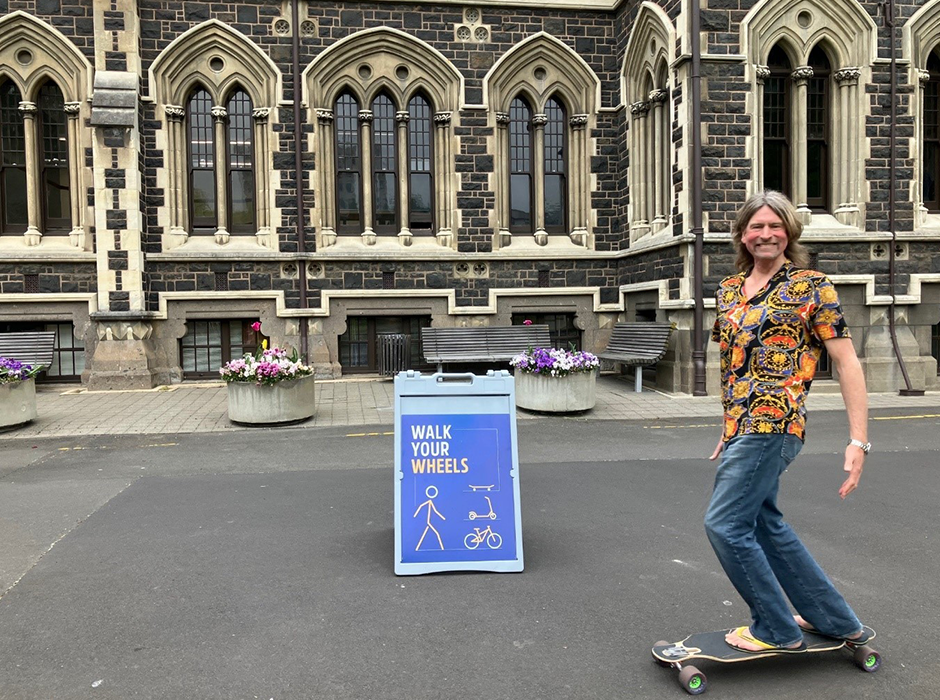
(863, 446)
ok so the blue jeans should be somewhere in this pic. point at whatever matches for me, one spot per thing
(760, 553)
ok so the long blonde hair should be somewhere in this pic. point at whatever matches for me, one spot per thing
(782, 207)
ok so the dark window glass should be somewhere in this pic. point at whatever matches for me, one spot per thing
(420, 182)
(556, 157)
(384, 170)
(935, 345)
(208, 345)
(241, 178)
(202, 190)
(348, 166)
(561, 328)
(776, 117)
(931, 166)
(817, 131)
(68, 357)
(520, 167)
(12, 161)
(357, 346)
(54, 163)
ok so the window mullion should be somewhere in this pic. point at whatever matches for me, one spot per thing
(31, 124)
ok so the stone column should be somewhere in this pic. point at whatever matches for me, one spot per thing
(503, 236)
(368, 234)
(761, 73)
(846, 161)
(660, 162)
(579, 191)
(538, 122)
(443, 184)
(404, 202)
(259, 117)
(640, 225)
(220, 118)
(920, 209)
(77, 234)
(33, 235)
(800, 78)
(176, 166)
(326, 165)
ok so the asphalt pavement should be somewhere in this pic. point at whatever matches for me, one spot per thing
(259, 564)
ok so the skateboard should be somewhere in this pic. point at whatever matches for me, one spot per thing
(712, 646)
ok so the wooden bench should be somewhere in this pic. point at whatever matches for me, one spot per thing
(481, 344)
(638, 344)
(29, 347)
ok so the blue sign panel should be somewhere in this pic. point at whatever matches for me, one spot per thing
(456, 466)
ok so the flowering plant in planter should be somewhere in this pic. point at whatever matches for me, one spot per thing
(15, 371)
(268, 366)
(554, 362)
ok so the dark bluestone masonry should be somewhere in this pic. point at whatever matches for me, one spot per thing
(460, 165)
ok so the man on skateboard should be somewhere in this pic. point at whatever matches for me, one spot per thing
(773, 319)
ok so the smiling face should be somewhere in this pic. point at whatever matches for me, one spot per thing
(765, 238)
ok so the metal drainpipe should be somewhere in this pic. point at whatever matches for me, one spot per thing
(299, 168)
(695, 174)
(892, 130)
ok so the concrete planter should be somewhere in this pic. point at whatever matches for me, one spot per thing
(17, 403)
(284, 402)
(573, 392)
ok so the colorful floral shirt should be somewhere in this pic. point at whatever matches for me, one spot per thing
(770, 345)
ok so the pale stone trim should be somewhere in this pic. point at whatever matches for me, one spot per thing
(574, 83)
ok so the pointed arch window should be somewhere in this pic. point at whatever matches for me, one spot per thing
(521, 167)
(384, 166)
(202, 184)
(13, 214)
(420, 165)
(348, 166)
(931, 137)
(240, 164)
(817, 130)
(556, 166)
(776, 106)
(54, 159)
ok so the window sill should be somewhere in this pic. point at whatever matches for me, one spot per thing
(179, 243)
(51, 248)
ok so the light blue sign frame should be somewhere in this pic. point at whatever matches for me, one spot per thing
(456, 473)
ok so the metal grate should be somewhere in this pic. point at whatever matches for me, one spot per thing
(543, 278)
(221, 281)
(388, 279)
(31, 284)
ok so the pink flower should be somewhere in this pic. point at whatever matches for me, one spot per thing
(256, 326)
(527, 322)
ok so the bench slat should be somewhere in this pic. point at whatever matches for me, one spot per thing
(637, 343)
(30, 347)
(481, 344)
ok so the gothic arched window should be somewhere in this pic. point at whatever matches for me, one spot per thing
(348, 166)
(777, 122)
(521, 168)
(420, 165)
(240, 174)
(384, 166)
(817, 131)
(556, 167)
(13, 210)
(203, 208)
(54, 159)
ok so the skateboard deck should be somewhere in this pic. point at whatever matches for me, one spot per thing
(712, 646)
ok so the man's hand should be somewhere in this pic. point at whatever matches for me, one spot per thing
(854, 462)
(717, 452)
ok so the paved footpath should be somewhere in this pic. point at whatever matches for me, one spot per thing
(66, 410)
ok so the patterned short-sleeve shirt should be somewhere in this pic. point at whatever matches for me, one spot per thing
(770, 345)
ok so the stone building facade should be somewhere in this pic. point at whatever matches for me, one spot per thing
(460, 164)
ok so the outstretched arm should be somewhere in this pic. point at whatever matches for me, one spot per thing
(852, 383)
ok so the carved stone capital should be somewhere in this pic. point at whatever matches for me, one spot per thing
(402, 117)
(847, 76)
(502, 118)
(219, 113)
(443, 118)
(174, 113)
(365, 116)
(325, 116)
(261, 114)
(123, 330)
(73, 108)
(639, 109)
(802, 74)
(28, 109)
(657, 96)
(578, 121)
(539, 120)
(923, 77)
(762, 73)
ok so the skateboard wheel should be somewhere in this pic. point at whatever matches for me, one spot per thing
(867, 659)
(660, 662)
(692, 680)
